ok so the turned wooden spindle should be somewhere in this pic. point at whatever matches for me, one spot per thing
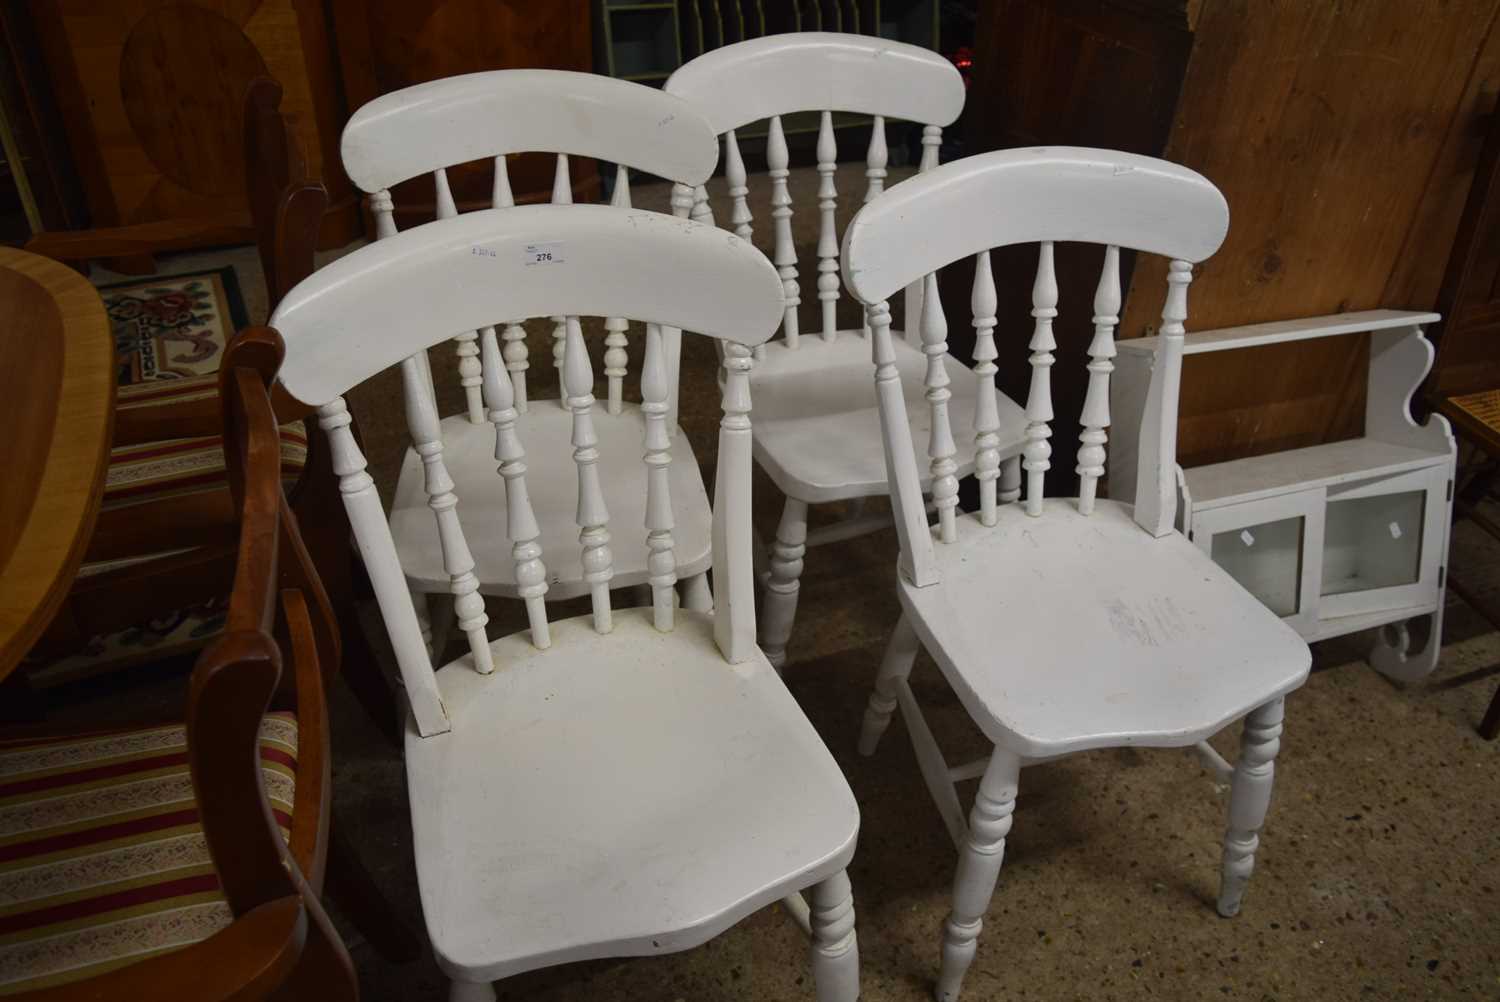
(562, 194)
(467, 343)
(458, 561)
(517, 357)
(941, 449)
(701, 212)
(917, 562)
(682, 200)
(982, 304)
(1156, 478)
(828, 237)
(593, 516)
(616, 359)
(784, 255)
(932, 142)
(734, 176)
(661, 562)
(876, 158)
(734, 575)
(520, 521)
(367, 519)
(739, 213)
(1095, 416)
(1038, 451)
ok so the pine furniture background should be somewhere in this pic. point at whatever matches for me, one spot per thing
(150, 96)
(1342, 135)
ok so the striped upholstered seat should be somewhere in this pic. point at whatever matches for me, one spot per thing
(102, 859)
(159, 392)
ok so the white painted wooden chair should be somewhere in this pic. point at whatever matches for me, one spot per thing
(815, 431)
(628, 782)
(431, 126)
(1063, 625)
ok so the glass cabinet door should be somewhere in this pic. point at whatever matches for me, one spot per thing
(1382, 543)
(1268, 547)
(1266, 559)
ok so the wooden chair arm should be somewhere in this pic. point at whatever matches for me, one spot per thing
(143, 238)
(245, 962)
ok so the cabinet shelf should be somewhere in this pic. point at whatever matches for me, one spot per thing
(1240, 480)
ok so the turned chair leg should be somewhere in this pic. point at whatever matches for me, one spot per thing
(471, 991)
(835, 949)
(780, 605)
(696, 595)
(1249, 797)
(978, 869)
(900, 655)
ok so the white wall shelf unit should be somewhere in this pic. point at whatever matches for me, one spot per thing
(1335, 538)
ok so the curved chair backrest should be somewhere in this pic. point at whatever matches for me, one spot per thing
(391, 300)
(1029, 196)
(432, 126)
(827, 72)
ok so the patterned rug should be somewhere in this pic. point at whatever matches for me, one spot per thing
(173, 326)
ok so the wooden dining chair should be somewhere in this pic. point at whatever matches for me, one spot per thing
(1063, 624)
(432, 126)
(166, 534)
(816, 435)
(625, 782)
(183, 861)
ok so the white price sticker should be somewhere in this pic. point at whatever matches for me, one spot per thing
(543, 254)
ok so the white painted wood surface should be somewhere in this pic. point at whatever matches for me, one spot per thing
(1095, 415)
(1063, 193)
(755, 806)
(618, 262)
(823, 71)
(1394, 456)
(499, 741)
(815, 410)
(1066, 625)
(1283, 331)
(982, 306)
(1189, 650)
(478, 116)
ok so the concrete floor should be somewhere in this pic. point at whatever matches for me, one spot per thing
(1377, 876)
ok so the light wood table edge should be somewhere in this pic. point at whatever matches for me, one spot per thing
(36, 577)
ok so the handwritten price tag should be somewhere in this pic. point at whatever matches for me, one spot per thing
(535, 254)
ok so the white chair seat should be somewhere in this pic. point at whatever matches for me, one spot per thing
(1110, 636)
(552, 481)
(817, 426)
(615, 795)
